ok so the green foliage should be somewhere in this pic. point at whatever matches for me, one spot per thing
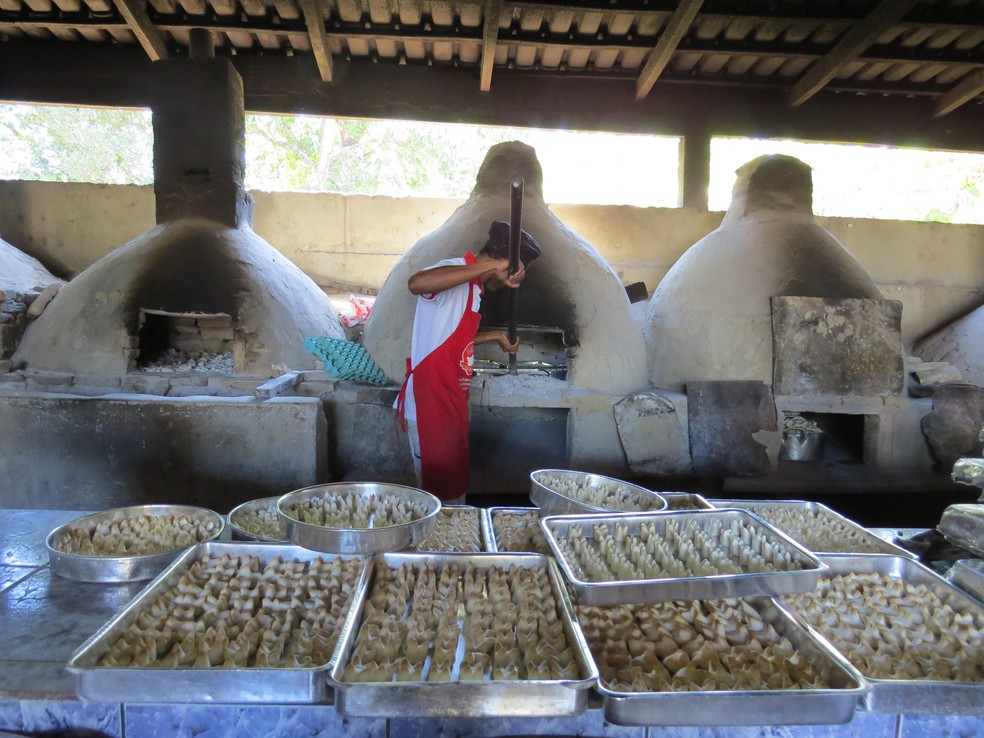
(76, 144)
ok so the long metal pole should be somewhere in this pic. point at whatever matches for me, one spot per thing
(515, 235)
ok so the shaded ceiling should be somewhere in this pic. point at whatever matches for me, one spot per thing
(907, 72)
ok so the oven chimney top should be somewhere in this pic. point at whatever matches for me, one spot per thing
(200, 140)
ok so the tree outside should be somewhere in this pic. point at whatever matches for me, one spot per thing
(402, 159)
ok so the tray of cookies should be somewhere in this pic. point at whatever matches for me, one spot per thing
(816, 527)
(257, 520)
(358, 517)
(567, 492)
(458, 529)
(226, 622)
(917, 639)
(685, 555)
(516, 530)
(477, 635)
(128, 544)
(716, 662)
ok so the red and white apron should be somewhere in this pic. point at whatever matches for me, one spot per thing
(440, 387)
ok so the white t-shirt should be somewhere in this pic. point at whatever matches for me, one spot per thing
(435, 319)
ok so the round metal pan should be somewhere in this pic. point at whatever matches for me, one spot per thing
(122, 568)
(360, 540)
(236, 524)
(552, 502)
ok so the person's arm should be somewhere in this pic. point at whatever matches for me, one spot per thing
(500, 337)
(438, 279)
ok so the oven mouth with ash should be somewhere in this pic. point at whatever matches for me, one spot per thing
(185, 342)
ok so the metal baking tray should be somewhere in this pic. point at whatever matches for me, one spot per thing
(968, 575)
(685, 501)
(108, 569)
(264, 503)
(200, 685)
(880, 545)
(520, 698)
(492, 535)
(552, 502)
(683, 588)
(963, 526)
(360, 540)
(911, 695)
(752, 707)
(480, 529)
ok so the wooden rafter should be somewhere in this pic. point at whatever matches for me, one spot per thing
(660, 56)
(965, 91)
(848, 48)
(137, 20)
(490, 35)
(314, 18)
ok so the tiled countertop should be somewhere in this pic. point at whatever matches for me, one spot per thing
(44, 618)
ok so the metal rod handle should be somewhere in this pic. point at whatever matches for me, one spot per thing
(515, 238)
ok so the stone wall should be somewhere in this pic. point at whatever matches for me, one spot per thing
(351, 242)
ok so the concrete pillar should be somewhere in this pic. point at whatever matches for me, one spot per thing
(695, 168)
(200, 142)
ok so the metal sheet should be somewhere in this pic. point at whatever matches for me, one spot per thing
(685, 501)
(822, 512)
(752, 707)
(909, 695)
(494, 534)
(479, 529)
(683, 588)
(360, 540)
(200, 685)
(108, 569)
(519, 698)
(552, 502)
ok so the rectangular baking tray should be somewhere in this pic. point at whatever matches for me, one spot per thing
(519, 698)
(683, 588)
(913, 695)
(215, 684)
(752, 707)
(479, 513)
(882, 546)
(490, 515)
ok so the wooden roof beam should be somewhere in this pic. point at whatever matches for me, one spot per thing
(314, 19)
(966, 90)
(490, 36)
(855, 41)
(139, 23)
(669, 39)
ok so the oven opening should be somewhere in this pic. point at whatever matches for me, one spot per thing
(827, 438)
(542, 352)
(185, 342)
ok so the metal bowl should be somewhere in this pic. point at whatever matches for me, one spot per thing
(236, 524)
(553, 502)
(360, 540)
(87, 568)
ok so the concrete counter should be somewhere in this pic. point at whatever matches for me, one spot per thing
(44, 618)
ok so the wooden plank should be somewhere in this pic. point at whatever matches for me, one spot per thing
(671, 36)
(139, 22)
(856, 40)
(970, 87)
(314, 18)
(490, 36)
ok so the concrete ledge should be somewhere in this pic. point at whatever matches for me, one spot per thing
(99, 452)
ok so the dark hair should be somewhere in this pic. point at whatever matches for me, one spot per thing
(498, 244)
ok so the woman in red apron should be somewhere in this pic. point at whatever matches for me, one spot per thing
(434, 398)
